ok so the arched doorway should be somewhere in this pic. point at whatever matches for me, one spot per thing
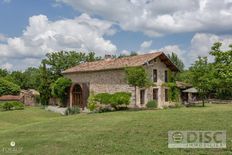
(77, 96)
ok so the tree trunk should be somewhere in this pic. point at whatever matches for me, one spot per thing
(203, 102)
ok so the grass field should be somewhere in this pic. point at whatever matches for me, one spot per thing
(37, 131)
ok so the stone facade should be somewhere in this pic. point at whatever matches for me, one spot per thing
(112, 81)
(29, 97)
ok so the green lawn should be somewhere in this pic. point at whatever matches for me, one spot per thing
(37, 131)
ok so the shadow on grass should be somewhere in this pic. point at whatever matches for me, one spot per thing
(199, 105)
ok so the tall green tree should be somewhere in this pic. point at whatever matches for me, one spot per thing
(3, 72)
(223, 70)
(60, 89)
(18, 78)
(44, 87)
(176, 60)
(8, 88)
(202, 77)
(32, 77)
(137, 77)
(62, 60)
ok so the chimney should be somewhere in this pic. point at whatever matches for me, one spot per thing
(108, 56)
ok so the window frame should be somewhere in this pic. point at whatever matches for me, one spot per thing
(155, 72)
(165, 76)
(166, 95)
(155, 96)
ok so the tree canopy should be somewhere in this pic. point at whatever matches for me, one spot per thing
(60, 89)
(176, 60)
(8, 88)
(137, 76)
(212, 78)
(57, 62)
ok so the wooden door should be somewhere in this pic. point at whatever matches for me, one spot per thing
(77, 96)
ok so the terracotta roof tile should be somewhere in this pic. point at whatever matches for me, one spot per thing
(10, 98)
(116, 63)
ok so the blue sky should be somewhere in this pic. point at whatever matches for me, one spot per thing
(29, 29)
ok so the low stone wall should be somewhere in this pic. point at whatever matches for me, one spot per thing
(217, 101)
(56, 109)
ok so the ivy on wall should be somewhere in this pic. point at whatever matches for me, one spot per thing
(173, 91)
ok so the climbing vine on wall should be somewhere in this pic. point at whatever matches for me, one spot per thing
(173, 91)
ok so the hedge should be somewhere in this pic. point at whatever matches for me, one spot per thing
(115, 100)
(103, 98)
(14, 105)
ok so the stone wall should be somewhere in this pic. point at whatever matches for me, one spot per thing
(109, 81)
(161, 68)
(112, 81)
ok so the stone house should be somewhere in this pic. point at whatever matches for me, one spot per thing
(109, 76)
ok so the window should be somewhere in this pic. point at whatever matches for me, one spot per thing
(142, 97)
(166, 76)
(166, 95)
(154, 75)
(155, 94)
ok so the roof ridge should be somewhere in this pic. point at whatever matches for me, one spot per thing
(117, 63)
(111, 59)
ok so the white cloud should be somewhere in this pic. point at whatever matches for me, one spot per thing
(200, 45)
(126, 52)
(146, 44)
(2, 37)
(155, 17)
(173, 48)
(7, 66)
(42, 35)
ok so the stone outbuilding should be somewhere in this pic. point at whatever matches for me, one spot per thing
(192, 95)
(29, 97)
(109, 76)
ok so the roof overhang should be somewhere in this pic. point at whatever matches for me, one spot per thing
(168, 62)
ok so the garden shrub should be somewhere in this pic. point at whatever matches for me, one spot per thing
(115, 100)
(17, 105)
(8, 88)
(120, 98)
(14, 105)
(60, 89)
(72, 110)
(7, 106)
(91, 102)
(152, 104)
(103, 98)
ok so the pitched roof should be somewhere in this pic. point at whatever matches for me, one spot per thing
(119, 63)
(191, 90)
(183, 85)
(10, 98)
